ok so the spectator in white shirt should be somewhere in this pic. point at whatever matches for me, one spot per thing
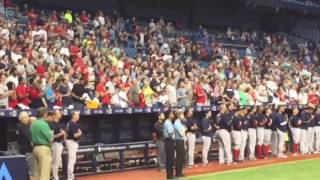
(302, 97)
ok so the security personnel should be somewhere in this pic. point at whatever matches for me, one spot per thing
(74, 133)
(207, 133)
(161, 156)
(252, 133)
(306, 117)
(57, 147)
(169, 135)
(41, 139)
(244, 134)
(267, 132)
(317, 130)
(223, 125)
(192, 130)
(180, 136)
(282, 129)
(236, 134)
(260, 132)
(295, 123)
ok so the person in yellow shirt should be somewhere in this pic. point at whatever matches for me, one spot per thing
(148, 93)
(68, 17)
(112, 57)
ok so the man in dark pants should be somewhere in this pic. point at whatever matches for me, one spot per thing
(168, 134)
(160, 142)
(180, 134)
(24, 141)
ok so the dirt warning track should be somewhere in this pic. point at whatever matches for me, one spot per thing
(154, 174)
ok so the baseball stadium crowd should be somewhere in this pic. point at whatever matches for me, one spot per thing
(82, 60)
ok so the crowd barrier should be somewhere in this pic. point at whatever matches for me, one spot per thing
(108, 111)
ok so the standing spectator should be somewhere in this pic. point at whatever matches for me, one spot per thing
(169, 135)
(41, 140)
(4, 92)
(77, 93)
(59, 136)
(74, 133)
(206, 137)
(65, 92)
(22, 91)
(25, 142)
(36, 95)
(50, 94)
(160, 142)
(180, 134)
(200, 95)
(172, 93)
(182, 95)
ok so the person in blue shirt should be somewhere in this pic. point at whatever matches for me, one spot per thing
(261, 121)
(192, 129)
(244, 133)
(252, 133)
(306, 117)
(180, 135)
(206, 136)
(236, 134)
(310, 130)
(169, 135)
(295, 123)
(317, 130)
(282, 129)
(267, 132)
(274, 134)
(223, 125)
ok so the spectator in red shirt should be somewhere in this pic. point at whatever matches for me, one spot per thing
(103, 94)
(200, 94)
(36, 95)
(23, 92)
(13, 100)
(313, 97)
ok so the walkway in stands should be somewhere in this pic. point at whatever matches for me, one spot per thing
(153, 174)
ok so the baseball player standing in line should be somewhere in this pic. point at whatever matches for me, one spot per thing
(317, 130)
(260, 132)
(252, 133)
(306, 118)
(223, 125)
(180, 134)
(244, 134)
(192, 129)
(267, 133)
(236, 134)
(206, 137)
(282, 129)
(274, 135)
(311, 132)
(296, 130)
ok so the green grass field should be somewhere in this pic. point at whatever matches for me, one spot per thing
(297, 170)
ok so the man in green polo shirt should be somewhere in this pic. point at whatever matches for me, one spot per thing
(42, 137)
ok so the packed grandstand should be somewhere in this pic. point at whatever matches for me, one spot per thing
(65, 59)
(69, 60)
